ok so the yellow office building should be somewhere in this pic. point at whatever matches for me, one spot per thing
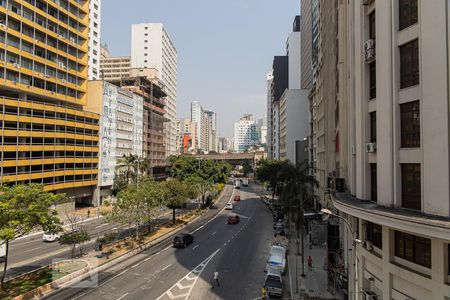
(45, 135)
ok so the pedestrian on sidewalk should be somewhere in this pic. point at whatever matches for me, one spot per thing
(89, 213)
(310, 267)
(264, 293)
(215, 279)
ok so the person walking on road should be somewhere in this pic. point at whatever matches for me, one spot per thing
(215, 279)
(264, 293)
(310, 263)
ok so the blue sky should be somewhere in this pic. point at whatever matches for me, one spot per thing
(225, 48)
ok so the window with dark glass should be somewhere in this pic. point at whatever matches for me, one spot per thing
(411, 186)
(413, 248)
(409, 64)
(372, 25)
(373, 182)
(410, 124)
(407, 13)
(373, 127)
(372, 80)
(374, 234)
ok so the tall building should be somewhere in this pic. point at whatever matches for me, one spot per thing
(187, 135)
(246, 133)
(294, 124)
(279, 83)
(198, 117)
(114, 68)
(269, 115)
(383, 145)
(121, 130)
(154, 144)
(94, 39)
(151, 47)
(262, 127)
(46, 135)
(211, 130)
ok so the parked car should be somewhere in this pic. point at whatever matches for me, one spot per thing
(237, 198)
(244, 181)
(50, 237)
(229, 206)
(237, 184)
(183, 240)
(233, 219)
(274, 282)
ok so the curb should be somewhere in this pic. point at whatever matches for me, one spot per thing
(42, 290)
(53, 287)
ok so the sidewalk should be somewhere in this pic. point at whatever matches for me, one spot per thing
(314, 285)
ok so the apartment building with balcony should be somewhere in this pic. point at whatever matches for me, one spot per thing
(46, 135)
(393, 94)
(121, 130)
(114, 68)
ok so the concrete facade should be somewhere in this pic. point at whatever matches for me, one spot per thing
(408, 256)
(121, 129)
(151, 47)
(294, 122)
(246, 133)
(114, 68)
(269, 115)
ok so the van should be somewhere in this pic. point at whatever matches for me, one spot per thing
(50, 237)
(277, 259)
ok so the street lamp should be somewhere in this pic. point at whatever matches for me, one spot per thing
(326, 214)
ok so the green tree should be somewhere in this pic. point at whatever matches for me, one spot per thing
(24, 208)
(184, 167)
(298, 195)
(175, 195)
(151, 194)
(73, 239)
(269, 171)
(247, 168)
(129, 169)
(202, 186)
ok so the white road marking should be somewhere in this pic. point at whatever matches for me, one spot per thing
(136, 265)
(123, 296)
(195, 247)
(166, 267)
(191, 277)
(32, 249)
(214, 233)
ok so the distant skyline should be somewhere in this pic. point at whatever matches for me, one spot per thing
(225, 48)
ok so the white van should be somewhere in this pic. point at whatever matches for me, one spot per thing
(274, 282)
(277, 259)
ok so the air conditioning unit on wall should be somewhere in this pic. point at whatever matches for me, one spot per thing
(368, 245)
(371, 147)
(369, 50)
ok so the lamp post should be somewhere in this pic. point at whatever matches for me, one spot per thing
(326, 214)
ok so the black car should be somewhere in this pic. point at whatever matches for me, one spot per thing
(182, 240)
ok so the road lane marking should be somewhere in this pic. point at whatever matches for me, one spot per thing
(176, 292)
(214, 233)
(123, 296)
(166, 267)
(32, 249)
(195, 247)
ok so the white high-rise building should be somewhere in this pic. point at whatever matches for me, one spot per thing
(94, 39)
(197, 116)
(246, 133)
(151, 47)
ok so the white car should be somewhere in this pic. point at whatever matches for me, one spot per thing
(229, 206)
(50, 237)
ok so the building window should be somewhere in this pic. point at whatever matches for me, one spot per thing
(373, 127)
(411, 186)
(372, 25)
(410, 124)
(374, 234)
(407, 13)
(373, 182)
(413, 248)
(409, 64)
(373, 80)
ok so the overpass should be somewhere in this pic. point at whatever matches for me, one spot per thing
(233, 159)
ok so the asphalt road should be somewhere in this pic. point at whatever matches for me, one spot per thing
(32, 252)
(238, 252)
